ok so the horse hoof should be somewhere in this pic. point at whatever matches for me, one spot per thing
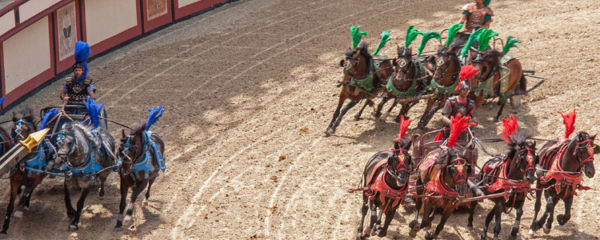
(429, 236)
(381, 233)
(73, 227)
(412, 233)
(126, 220)
(18, 214)
(356, 118)
(561, 219)
(547, 230)
(531, 233)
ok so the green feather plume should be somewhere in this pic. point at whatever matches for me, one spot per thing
(452, 33)
(426, 37)
(411, 34)
(510, 43)
(356, 35)
(486, 2)
(385, 37)
(470, 42)
(484, 39)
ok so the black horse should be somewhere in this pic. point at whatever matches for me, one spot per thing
(385, 183)
(563, 162)
(513, 172)
(141, 155)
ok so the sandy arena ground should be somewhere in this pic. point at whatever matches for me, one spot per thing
(250, 87)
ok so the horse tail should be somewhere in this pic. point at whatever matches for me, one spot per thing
(523, 83)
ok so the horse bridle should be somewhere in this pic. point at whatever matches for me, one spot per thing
(479, 61)
(529, 158)
(460, 164)
(401, 163)
(127, 146)
(438, 64)
(18, 131)
(588, 145)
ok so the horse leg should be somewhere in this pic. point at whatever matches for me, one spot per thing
(562, 219)
(428, 114)
(139, 187)
(499, 211)
(364, 210)
(389, 215)
(414, 224)
(538, 205)
(24, 199)
(339, 118)
(427, 218)
(377, 113)
(389, 111)
(373, 207)
(124, 189)
(519, 213)
(440, 225)
(359, 113)
(80, 205)
(502, 104)
(147, 200)
(472, 207)
(102, 181)
(70, 211)
(335, 114)
(550, 202)
(14, 188)
(404, 110)
(488, 219)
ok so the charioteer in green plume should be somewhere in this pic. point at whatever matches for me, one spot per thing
(476, 15)
(363, 75)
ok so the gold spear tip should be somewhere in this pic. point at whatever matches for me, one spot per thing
(34, 139)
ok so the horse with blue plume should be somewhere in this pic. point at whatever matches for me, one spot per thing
(141, 157)
(29, 172)
(86, 152)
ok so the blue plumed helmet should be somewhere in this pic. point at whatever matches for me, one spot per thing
(82, 52)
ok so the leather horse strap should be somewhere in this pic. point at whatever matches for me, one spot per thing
(557, 173)
(373, 171)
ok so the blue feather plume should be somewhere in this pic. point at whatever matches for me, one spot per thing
(155, 114)
(49, 115)
(82, 52)
(2, 100)
(93, 110)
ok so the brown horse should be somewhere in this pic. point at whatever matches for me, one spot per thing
(29, 171)
(446, 66)
(443, 178)
(410, 79)
(513, 172)
(140, 152)
(361, 80)
(562, 162)
(497, 79)
(385, 183)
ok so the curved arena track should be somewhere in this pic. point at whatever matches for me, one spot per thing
(250, 87)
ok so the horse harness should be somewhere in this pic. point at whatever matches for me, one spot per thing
(143, 167)
(562, 177)
(411, 91)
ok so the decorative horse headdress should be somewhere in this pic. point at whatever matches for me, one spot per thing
(356, 35)
(403, 127)
(411, 35)
(385, 37)
(510, 43)
(154, 116)
(510, 128)
(452, 33)
(569, 121)
(426, 37)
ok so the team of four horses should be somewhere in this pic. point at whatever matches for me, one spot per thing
(439, 175)
(79, 148)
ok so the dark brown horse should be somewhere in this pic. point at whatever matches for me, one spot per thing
(411, 78)
(563, 162)
(385, 183)
(443, 178)
(514, 173)
(29, 171)
(361, 80)
(443, 83)
(497, 79)
(140, 153)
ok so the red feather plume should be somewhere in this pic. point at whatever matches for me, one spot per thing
(510, 128)
(569, 121)
(466, 73)
(458, 124)
(403, 127)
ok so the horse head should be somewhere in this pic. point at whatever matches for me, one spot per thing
(447, 65)
(403, 63)
(400, 164)
(487, 63)
(457, 169)
(585, 152)
(131, 148)
(74, 144)
(522, 152)
(23, 125)
(357, 61)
